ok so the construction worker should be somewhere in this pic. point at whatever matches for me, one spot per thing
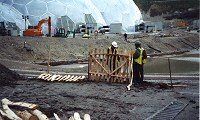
(139, 59)
(125, 37)
(112, 49)
(96, 34)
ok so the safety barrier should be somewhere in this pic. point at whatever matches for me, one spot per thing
(105, 66)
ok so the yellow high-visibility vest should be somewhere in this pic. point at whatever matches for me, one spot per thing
(139, 59)
(115, 50)
(144, 61)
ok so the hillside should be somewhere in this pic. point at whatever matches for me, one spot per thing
(37, 48)
(170, 9)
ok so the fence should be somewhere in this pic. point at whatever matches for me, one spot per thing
(105, 66)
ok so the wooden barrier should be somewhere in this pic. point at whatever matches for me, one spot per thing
(105, 66)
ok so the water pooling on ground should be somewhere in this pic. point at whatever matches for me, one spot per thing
(186, 63)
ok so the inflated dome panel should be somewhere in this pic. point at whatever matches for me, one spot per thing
(104, 12)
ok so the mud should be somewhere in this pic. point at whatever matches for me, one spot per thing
(100, 99)
(103, 101)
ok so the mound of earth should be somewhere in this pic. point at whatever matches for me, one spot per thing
(8, 77)
(41, 49)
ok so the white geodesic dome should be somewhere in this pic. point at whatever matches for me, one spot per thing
(104, 12)
(9, 13)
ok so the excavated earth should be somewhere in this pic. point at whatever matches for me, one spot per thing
(20, 66)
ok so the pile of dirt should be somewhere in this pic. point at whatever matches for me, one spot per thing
(8, 77)
(39, 49)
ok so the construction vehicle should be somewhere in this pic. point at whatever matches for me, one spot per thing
(59, 32)
(9, 29)
(37, 30)
(181, 24)
(104, 29)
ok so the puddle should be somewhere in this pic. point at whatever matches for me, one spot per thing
(72, 66)
(187, 63)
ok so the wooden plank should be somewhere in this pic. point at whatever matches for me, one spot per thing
(95, 62)
(82, 77)
(111, 65)
(56, 116)
(22, 104)
(101, 62)
(97, 65)
(39, 114)
(46, 77)
(66, 77)
(56, 77)
(118, 68)
(87, 117)
(63, 77)
(98, 73)
(124, 71)
(109, 54)
(42, 75)
(9, 113)
(69, 79)
(89, 65)
(92, 64)
(108, 57)
(77, 78)
(115, 66)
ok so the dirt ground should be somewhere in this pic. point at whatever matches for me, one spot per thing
(103, 101)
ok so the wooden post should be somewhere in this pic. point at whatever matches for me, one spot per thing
(120, 70)
(103, 64)
(170, 72)
(89, 65)
(95, 65)
(49, 58)
(101, 61)
(109, 65)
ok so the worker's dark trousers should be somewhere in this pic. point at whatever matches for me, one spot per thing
(113, 65)
(137, 73)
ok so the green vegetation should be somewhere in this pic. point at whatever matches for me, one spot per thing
(172, 5)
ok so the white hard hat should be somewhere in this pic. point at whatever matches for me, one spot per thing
(114, 44)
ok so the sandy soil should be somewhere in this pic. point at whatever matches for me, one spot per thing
(38, 48)
(99, 99)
